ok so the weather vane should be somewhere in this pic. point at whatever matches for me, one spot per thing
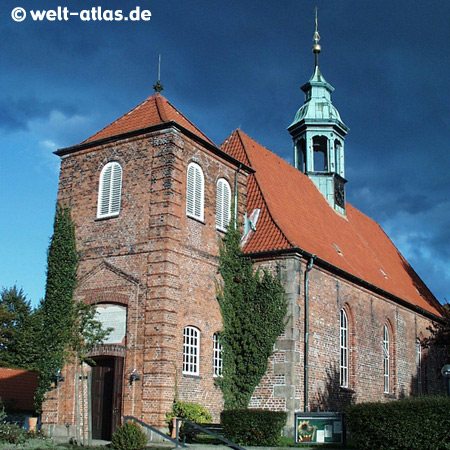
(316, 48)
(316, 37)
(158, 87)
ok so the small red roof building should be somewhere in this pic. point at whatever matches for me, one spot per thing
(17, 388)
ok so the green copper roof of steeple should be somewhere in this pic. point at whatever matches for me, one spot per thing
(318, 105)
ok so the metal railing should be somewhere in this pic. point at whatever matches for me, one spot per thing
(155, 430)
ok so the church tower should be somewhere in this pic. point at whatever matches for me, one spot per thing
(318, 134)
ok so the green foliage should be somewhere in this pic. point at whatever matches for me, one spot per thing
(57, 307)
(12, 434)
(129, 436)
(413, 423)
(253, 308)
(192, 411)
(19, 328)
(440, 333)
(3, 414)
(86, 331)
(253, 426)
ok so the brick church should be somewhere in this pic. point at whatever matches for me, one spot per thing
(151, 197)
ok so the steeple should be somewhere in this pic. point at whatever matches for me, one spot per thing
(318, 134)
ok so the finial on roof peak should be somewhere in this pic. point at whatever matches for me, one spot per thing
(316, 48)
(158, 87)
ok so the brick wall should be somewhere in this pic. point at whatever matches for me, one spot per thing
(153, 259)
(282, 388)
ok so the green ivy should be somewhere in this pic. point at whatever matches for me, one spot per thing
(57, 307)
(253, 307)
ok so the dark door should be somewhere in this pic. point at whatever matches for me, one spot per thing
(106, 396)
(117, 394)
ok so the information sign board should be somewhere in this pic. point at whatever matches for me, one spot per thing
(319, 428)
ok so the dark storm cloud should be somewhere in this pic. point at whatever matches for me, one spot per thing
(241, 64)
(16, 113)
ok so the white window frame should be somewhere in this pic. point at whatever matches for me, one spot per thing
(110, 190)
(195, 192)
(217, 357)
(419, 366)
(343, 347)
(223, 204)
(191, 351)
(386, 360)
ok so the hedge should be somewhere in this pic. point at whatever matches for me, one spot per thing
(412, 423)
(253, 426)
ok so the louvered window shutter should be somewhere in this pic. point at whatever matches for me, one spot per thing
(223, 205)
(219, 205)
(194, 191)
(116, 189)
(110, 190)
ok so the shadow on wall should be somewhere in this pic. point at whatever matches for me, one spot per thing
(333, 397)
(434, 352)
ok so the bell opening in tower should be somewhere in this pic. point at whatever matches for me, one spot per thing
(320, 149)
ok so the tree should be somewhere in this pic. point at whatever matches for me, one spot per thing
(19, 328)
(440, 334)
(57, 308)
(253, 308)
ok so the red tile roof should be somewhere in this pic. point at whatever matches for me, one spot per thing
(294, 214)
(152, 111)
(17, 388)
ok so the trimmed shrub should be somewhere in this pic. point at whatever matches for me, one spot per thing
(191, 411)
(253, 426)
(412, 423)
(129, 436)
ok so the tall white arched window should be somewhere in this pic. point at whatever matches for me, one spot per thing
(191, 351)
(223, 205)
(110, 190)
(217, 359)
(195, 192)
(343, 344)
(386, 359)
(419, 366)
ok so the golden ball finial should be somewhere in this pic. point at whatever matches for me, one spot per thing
(316, 48)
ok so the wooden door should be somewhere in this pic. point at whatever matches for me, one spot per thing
(117, 394)
(106, 394)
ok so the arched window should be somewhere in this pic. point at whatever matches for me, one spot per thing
(195, 188)
(343, 344)
(223, 205)
(337, 156)
(217, 359)
(191, 351)
(320, 151)
(110, 190)
(301, 155)
(419, 366)
(386, 359)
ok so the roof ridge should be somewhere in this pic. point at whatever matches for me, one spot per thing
(160, 107)
(114, 121)
(188, 120)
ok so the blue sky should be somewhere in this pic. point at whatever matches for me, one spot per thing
(226, 65)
